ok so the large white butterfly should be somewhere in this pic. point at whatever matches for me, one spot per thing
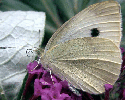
(85, 50)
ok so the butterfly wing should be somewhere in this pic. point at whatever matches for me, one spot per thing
(84, 61)
(104, 16)
(87, 63)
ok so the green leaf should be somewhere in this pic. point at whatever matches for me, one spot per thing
(79, 5)
(22, 87)
(8, 5)
(2, 95)
(66, 9)
(123, 24)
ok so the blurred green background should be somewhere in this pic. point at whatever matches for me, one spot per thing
(57, 11)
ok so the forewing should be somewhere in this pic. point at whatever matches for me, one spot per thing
(104, 16)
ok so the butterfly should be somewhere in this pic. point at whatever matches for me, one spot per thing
(85, 50)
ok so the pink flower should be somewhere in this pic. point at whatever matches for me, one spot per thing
(49, 78)
(123, 58)
(50, 88)
(34, 68)
(108, 87)
(54, 93)
(51, 93)
(123, 94)
(37, 87)
(122, 49)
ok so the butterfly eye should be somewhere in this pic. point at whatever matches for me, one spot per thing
(94, 32)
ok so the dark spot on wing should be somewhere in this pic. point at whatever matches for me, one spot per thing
(94, 32)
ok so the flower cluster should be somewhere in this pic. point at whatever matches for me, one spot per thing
(47, 86)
